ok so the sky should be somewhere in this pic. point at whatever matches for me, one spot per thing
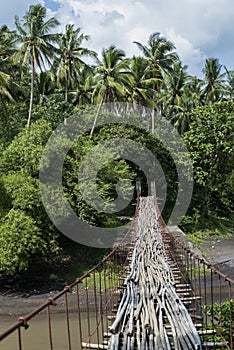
(199, 29)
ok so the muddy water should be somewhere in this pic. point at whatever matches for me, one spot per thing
(36, 336)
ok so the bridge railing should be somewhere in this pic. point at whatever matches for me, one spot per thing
(211, 303)
(86, 306)
(208, 293)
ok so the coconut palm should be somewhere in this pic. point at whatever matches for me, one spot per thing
(44, 86)
(84, 86)
(141, 89)
(213, 89)
(112, 78)
(229, 84)
(173, 86)
(7, 49)
(7, 43)
(161, 56)
(180, 114)
(112, 75)
(195, 86)
(69, 61)
(178, 98)
(37, 43)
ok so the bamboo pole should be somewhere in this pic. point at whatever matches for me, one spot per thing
(151, 311)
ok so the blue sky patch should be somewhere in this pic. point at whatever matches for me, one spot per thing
(51, 4)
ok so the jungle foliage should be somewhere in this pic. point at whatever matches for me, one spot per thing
(46, 80)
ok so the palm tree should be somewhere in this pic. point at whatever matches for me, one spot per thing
(84, 86)
(195, 86)
(112, 78)
(141, 90)
(229, 84)
(178, 98)
(7, 43)
(69, 62)
(181, 112)
(7, 49)
(37, 44)
(160, 55)
(112, 75)
(173, 86)
(213, 81)
(44, 85)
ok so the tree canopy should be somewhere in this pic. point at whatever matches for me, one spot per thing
(46, 76)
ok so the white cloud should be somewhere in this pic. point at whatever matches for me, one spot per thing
(189, 54)
(199, 28)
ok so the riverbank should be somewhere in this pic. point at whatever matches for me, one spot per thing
(218, 251)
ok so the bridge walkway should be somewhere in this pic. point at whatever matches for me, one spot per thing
(152, 312)
(150, 292)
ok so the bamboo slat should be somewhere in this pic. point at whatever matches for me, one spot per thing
(151, 314)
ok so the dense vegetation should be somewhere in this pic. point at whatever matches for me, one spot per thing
(221, 314)
(45, 77)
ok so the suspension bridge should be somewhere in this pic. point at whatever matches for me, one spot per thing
(150, 292)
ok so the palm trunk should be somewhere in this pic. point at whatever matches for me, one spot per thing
(66, 86)
(31, 95)
(66, 91)
(153, 118)
(96, 116)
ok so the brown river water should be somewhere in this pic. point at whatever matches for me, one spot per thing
(36, 336)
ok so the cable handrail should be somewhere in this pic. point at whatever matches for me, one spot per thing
(23, 320)
(102, 287)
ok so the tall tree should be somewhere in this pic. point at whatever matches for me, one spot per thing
(213, 82)
(44, 86)
(229, 84)
(174, 85)
(112, 78)
(69, 61)
(7, 45)
(181, 113)
(195, 86)
(37, 43)
(161, 56)
(7, 49)
(210, 143)
(141, 89)
(84, 86)
(177, 100)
